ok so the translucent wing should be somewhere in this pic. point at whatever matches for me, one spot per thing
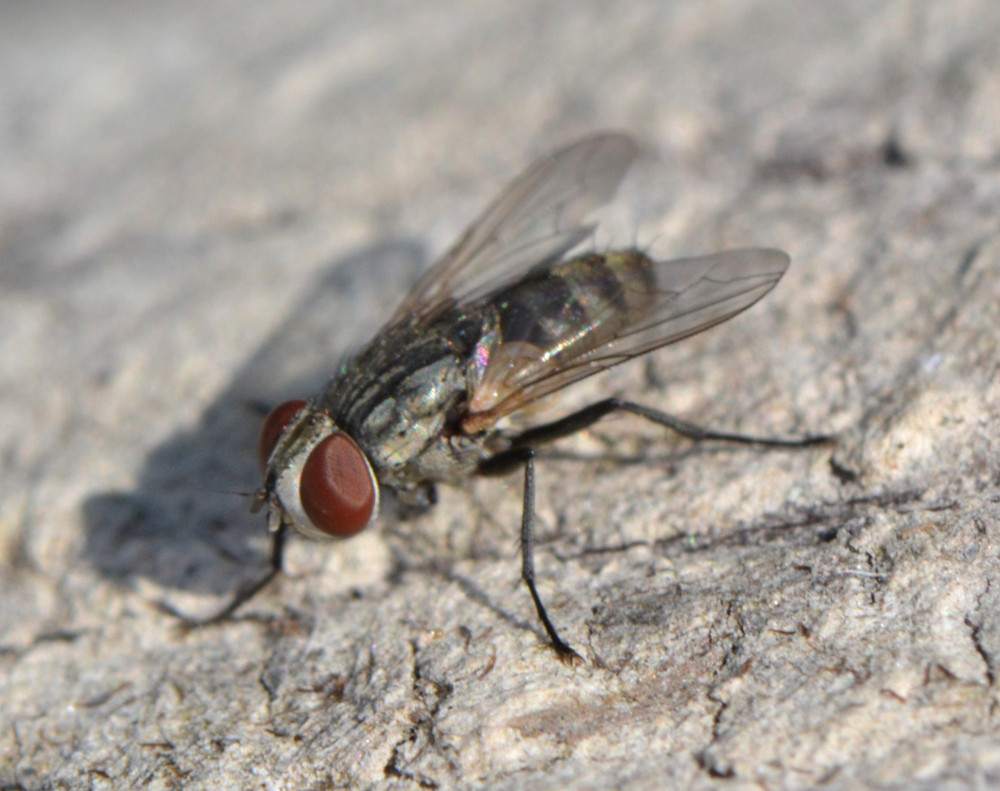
(537, 218)
(636, 306)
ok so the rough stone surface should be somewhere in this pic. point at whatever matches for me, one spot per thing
(204, 205)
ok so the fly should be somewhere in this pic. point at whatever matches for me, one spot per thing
(507, 317)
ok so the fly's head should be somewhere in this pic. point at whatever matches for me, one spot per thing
(316, 478)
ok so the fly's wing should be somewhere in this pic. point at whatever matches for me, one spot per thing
(537, 218)
(682, 298)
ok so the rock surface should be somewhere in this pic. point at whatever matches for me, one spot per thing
(203, 206)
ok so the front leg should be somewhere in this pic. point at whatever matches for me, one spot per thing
(243, 595)
(416, 499)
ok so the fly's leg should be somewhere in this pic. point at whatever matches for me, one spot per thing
(522, 453)
(499, 464)
(243, 595)
(566, 653)
(591, 414)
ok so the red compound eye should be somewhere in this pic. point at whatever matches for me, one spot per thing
(336, 487)
(277, 421)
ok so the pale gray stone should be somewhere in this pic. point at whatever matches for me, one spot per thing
(204, 205)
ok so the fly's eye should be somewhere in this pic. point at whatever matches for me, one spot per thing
(336, 487)
(275, 423)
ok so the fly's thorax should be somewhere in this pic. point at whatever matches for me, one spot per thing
(415, 414)
(449, 458)
(318, 481)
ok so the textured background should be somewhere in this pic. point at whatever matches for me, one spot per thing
(203, 205)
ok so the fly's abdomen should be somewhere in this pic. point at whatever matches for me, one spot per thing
(591, 296)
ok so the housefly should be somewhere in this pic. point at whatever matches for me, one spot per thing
(507, 317)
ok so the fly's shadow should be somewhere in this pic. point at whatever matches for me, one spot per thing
(185, 525)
